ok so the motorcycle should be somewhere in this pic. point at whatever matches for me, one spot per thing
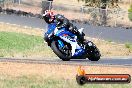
(64, 50)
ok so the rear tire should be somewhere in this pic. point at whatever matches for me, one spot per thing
(95, 56)
(58, 52)
(93, 52)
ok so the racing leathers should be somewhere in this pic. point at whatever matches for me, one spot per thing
(64, 22)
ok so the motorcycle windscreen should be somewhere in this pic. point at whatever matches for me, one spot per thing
(64, 32)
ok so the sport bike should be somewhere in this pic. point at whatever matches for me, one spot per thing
(63, 49)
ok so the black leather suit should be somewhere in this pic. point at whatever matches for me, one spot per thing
(64, 22)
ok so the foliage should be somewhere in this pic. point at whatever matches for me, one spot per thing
(130, 9)
(101, 3)
(130, 13)
(128, 45)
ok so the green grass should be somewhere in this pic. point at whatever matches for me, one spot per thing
(130, 9)
(128, 45)
(19, 42)
(109, 41)
(40, 82)
(12, 44)
(130, 16)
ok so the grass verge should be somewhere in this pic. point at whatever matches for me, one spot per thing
(39, 82)
(18, 41)
(22, 45)
(128, 45)
(27, 75)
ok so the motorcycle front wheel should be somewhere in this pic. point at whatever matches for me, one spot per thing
(63, 53)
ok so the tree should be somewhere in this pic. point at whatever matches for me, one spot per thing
(130, 13)
(102, 4)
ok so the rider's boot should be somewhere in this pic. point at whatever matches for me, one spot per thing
(78, 32)
(81, 37)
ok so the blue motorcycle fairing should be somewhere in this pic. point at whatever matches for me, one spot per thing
(67, 34)
(51, 28)
(62, 32)
(79, 52)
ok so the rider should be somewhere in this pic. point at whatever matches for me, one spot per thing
(61, 21)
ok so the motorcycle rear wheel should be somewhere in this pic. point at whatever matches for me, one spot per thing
(94, 56)
(93, 52)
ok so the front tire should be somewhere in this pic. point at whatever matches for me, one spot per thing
(54, 46)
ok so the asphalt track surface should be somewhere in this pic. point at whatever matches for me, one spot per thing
(119, 35)
(106, 33)
(121, 62)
